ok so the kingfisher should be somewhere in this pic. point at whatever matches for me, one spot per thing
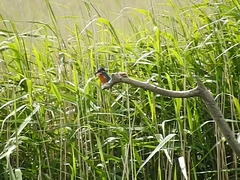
(102, 75)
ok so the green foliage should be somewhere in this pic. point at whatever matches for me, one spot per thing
(57, 123)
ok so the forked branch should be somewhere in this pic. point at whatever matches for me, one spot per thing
(199, 91)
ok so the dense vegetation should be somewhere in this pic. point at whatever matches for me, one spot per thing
(57, 123)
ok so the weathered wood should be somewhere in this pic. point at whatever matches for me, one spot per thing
(199, 91)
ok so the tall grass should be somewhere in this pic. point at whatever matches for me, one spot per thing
(57, 123)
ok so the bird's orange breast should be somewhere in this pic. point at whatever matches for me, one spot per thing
(102, 78)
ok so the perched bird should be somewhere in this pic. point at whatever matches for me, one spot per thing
(102, 75)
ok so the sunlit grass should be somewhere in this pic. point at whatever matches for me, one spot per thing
(57, 123)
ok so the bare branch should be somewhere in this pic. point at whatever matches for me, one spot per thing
(199, 91)
(119, 78)
(217, 115)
